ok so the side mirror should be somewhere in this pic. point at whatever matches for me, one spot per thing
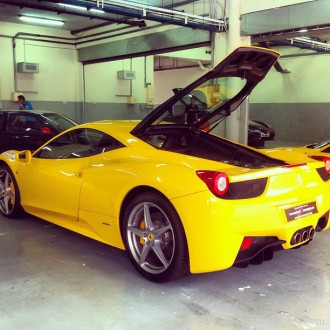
(24, 156)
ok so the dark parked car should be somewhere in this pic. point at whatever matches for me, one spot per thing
(254, 139)
(20, 130)
(260, 127)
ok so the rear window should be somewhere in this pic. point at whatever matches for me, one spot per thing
(209, 97)
(59, 122)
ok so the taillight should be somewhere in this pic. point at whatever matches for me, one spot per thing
(46, 131)
(217, 182)
(326, 161)
(247, 242)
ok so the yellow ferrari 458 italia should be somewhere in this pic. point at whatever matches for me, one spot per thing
(175, 195)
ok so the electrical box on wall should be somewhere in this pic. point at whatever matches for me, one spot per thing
(131, 100)
(150, 94)
(24, 67)
(126, 75)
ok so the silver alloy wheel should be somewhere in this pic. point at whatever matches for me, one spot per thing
(7, 192)
(150, 237)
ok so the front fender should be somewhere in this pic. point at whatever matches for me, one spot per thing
(9, 158)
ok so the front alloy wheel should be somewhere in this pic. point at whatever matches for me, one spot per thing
(155, 239)
(9, 194)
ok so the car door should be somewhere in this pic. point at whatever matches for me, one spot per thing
(50, 184)
(24, 131)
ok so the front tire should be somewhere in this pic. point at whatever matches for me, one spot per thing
(10, 200)
(155, 239)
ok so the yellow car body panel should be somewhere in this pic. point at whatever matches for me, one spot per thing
(86, 195)
(216, 233)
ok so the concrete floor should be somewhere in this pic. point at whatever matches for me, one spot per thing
(51, 278)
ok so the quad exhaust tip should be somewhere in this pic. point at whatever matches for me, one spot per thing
(311, 233)
(302, 235)
(296, 239)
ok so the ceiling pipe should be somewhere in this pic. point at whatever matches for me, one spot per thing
(166, 16)
(303, 45)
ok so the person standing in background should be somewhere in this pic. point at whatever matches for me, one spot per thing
(191, 111)
(24, 105)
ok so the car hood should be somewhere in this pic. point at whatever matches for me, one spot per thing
(220, 91)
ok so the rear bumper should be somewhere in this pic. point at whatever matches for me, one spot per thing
(262, 248)
(215, 229)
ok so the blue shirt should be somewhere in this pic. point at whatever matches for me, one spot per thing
(27, 106)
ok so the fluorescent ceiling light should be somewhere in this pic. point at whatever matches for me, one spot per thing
(95, 10)
(39, 20)
(72, 6)
(302, 30)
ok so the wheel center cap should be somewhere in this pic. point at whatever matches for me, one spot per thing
(151, 237)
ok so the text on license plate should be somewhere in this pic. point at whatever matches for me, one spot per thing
(301, 211)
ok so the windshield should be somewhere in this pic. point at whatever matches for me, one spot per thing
(198, 103)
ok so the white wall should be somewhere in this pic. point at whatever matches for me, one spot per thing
(165, 81)
(307, 82)
(248, 6)
(102, 84)
(296, 104)
(59, 72)
(59, 83)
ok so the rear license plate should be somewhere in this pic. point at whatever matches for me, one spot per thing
(300, 211)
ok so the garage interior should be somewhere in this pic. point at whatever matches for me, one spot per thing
(52, 278)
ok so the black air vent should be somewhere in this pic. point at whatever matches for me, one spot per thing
(246, 189)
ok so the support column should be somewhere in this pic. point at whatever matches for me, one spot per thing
(235, 126)
(219, 51)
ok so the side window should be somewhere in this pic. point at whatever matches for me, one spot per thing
(156, 140)
(15, 122)
(19, 122)
(172, 142)
(79, 143)
(32, 122)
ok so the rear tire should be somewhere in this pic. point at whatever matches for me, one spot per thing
(155, 239)
(10, 201)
